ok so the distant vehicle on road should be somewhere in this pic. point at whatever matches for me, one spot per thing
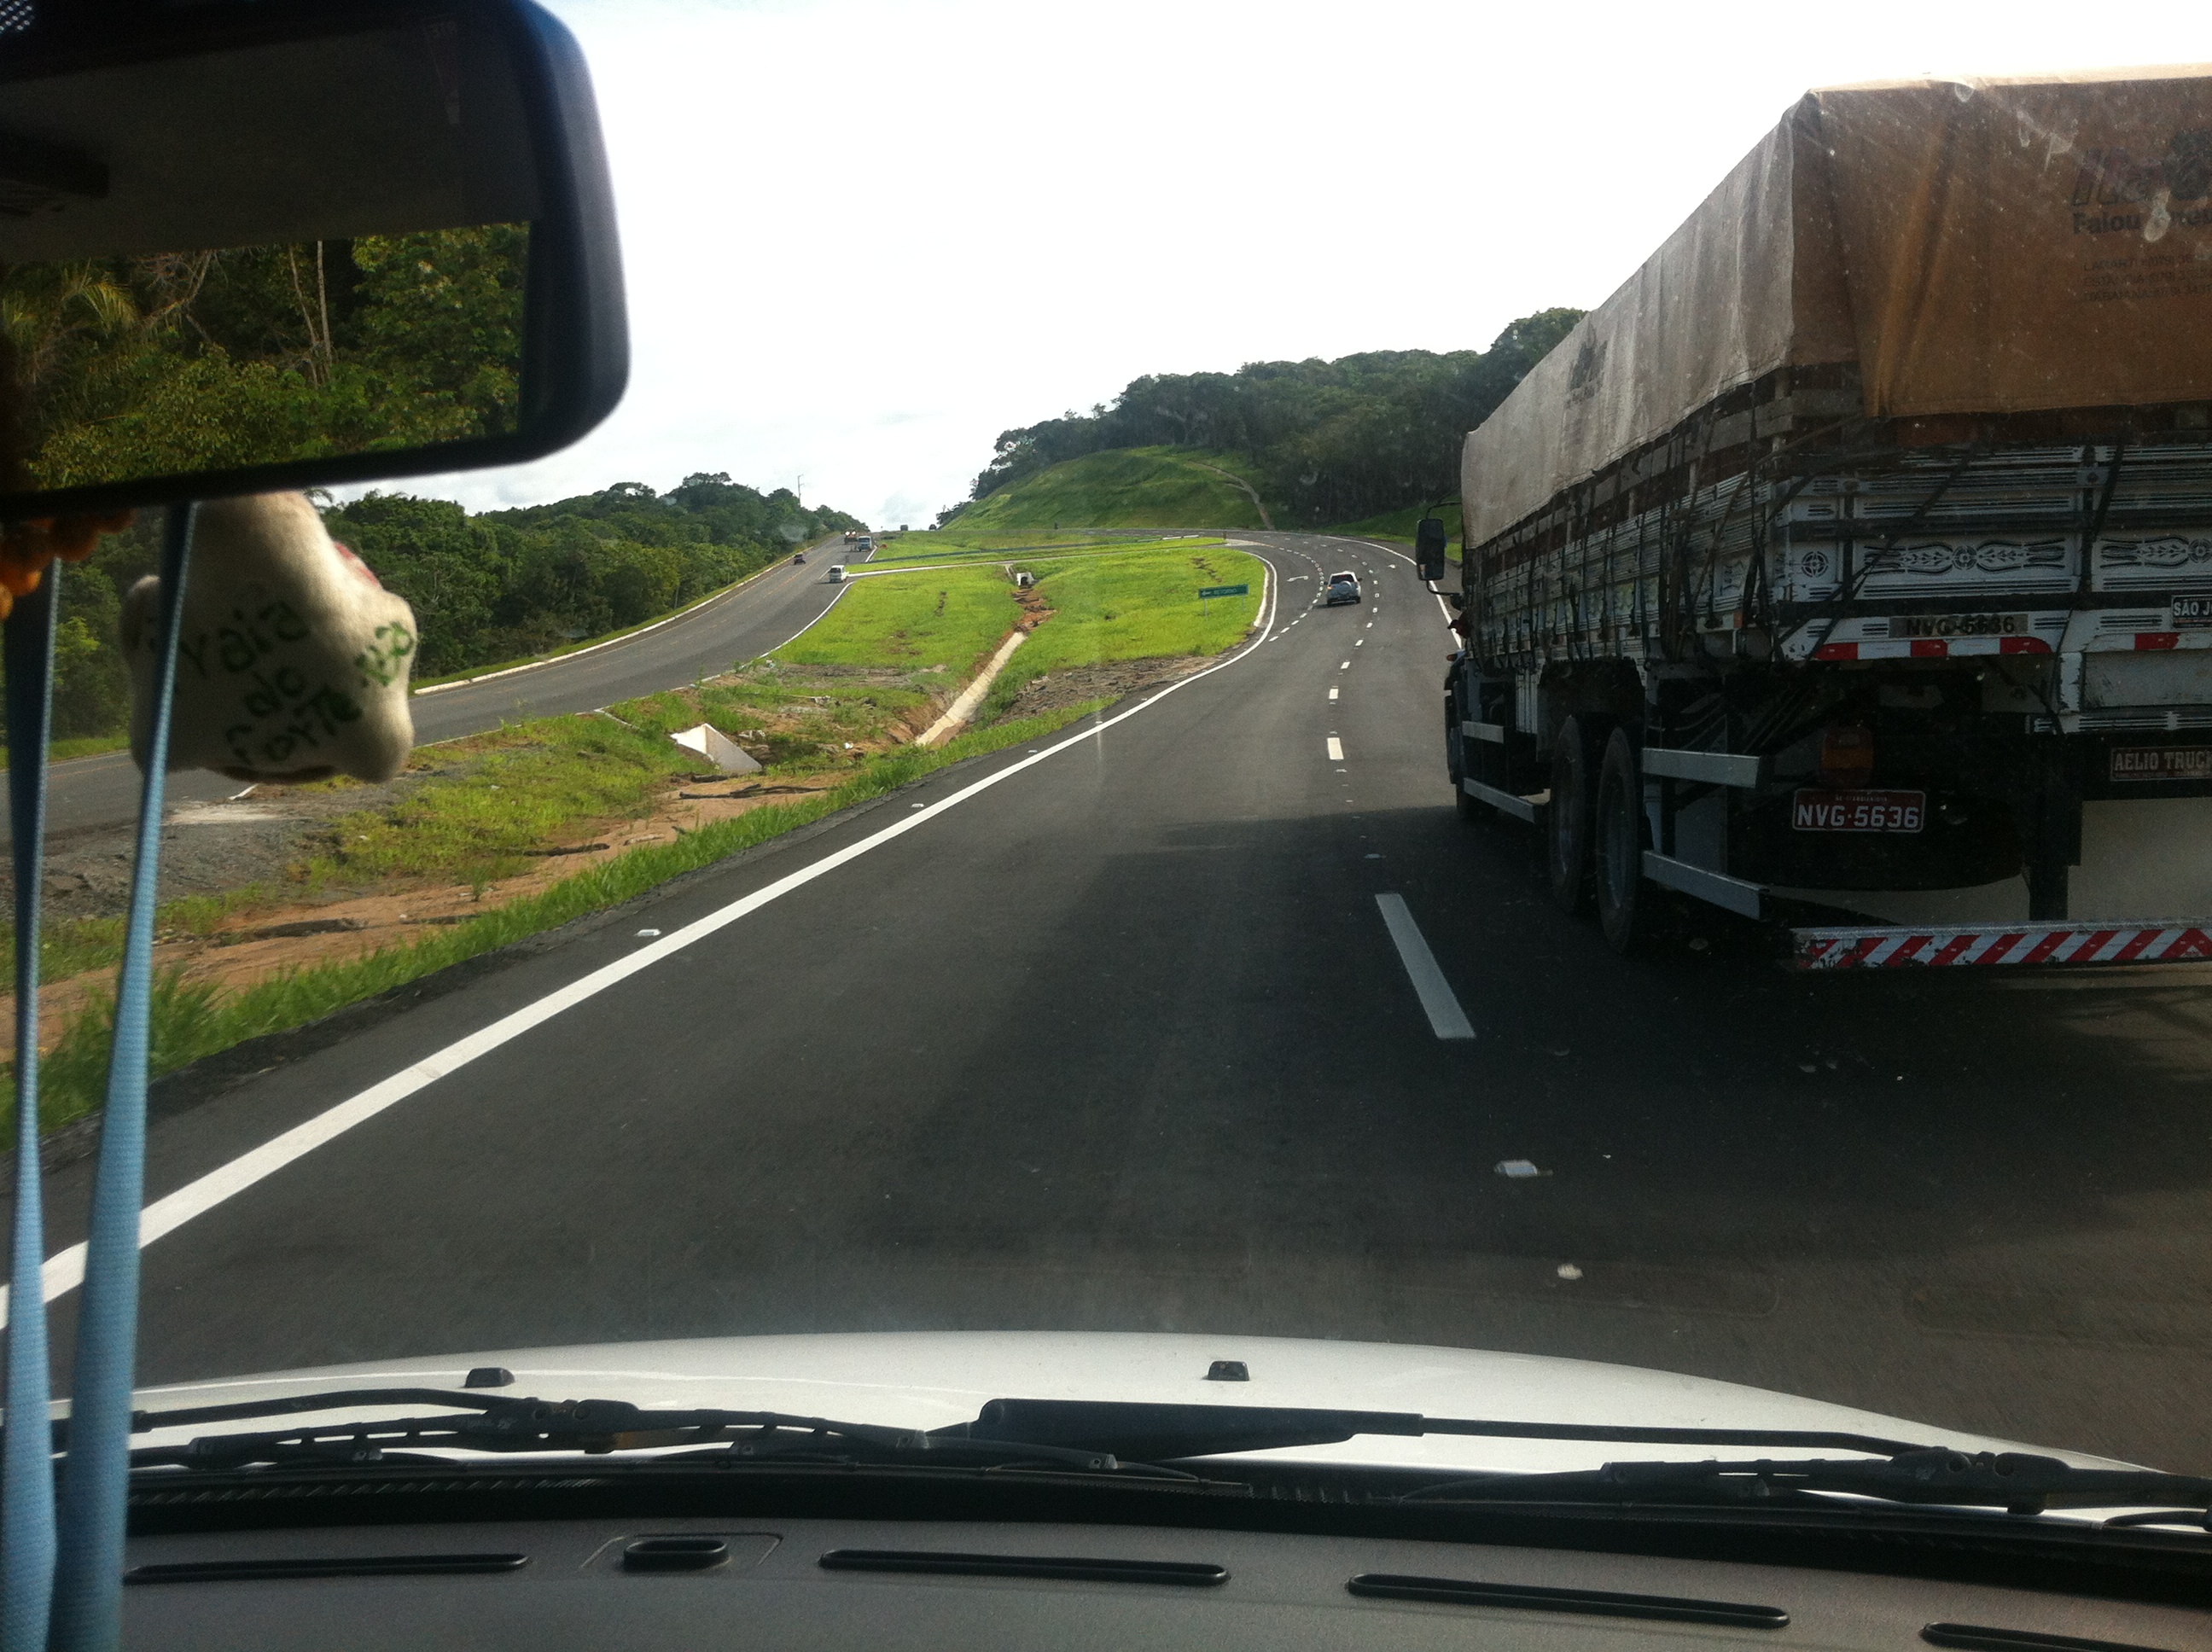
(798, 559)
(852, 533)
(1342, 588)
(863, 543)
(836, 573)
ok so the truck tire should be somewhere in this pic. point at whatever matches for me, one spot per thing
(1455, 763)
(1567, 822)
(1626, 907)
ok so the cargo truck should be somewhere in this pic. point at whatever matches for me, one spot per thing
(1866, 532)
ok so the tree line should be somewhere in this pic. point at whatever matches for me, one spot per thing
(1334, 441)
(486, 587)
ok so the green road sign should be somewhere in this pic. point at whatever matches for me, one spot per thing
(1224, 591)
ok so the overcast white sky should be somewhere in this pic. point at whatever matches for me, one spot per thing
(863, 238)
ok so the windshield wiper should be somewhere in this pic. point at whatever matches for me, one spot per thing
(2020, 1482)
(1894, 1471)
(1155, 1431)
(494, 1423)
(1137, 1437)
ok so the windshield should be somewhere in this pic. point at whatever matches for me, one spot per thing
(970, 809)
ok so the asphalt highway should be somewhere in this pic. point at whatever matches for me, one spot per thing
(92, 793)
(1139, 1037)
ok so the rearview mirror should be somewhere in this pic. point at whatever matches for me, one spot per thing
(1429, 539)
(253, 245)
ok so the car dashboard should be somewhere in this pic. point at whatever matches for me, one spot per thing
(549, 1585)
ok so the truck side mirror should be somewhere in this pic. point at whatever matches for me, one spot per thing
(1430, 535)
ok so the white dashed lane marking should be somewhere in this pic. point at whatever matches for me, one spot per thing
(1336, 749)
(1446, 1018)
(1332, 693)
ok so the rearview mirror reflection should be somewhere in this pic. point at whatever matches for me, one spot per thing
(120, 369)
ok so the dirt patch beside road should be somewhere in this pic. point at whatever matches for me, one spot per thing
(206, 848)
(273, 938)
(1110, 681)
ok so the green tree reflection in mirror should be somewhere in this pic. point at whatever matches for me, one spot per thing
(130, 367)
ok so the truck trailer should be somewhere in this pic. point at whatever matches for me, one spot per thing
(1866, 531)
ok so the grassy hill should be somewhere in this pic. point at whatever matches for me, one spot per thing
(1124, 488)
(1149, 487)
(1399, 525)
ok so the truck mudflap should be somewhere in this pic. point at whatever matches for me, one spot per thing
(2133, 940)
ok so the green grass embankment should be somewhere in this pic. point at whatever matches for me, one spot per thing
(1138, 602)
(1139, 607)
(954, 544)
(1126, 487)
(929, 619)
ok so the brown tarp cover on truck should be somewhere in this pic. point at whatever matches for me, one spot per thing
(1983, 247)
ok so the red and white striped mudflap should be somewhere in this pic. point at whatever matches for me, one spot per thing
(2132, 940)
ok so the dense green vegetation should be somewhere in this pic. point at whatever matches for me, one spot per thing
(175, 363)
(1139, 487)
(1334, 441)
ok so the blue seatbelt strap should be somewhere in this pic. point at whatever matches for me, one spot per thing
(87, 1608)
(26, 1463)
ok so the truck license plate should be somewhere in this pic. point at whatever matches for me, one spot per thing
(2161, 762)
(2192, 611)
(1961, 625)
(1858, 811)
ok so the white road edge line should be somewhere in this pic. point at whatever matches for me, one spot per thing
(816, 621)
(64, 1270)
(1430, 986)
(1336, 749)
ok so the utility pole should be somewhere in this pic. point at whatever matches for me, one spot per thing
(800, 490)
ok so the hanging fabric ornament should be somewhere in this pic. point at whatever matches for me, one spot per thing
(292, 660)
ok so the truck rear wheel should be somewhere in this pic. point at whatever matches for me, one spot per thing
(1455, 763)
(1567, 822)
(1627, 910)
